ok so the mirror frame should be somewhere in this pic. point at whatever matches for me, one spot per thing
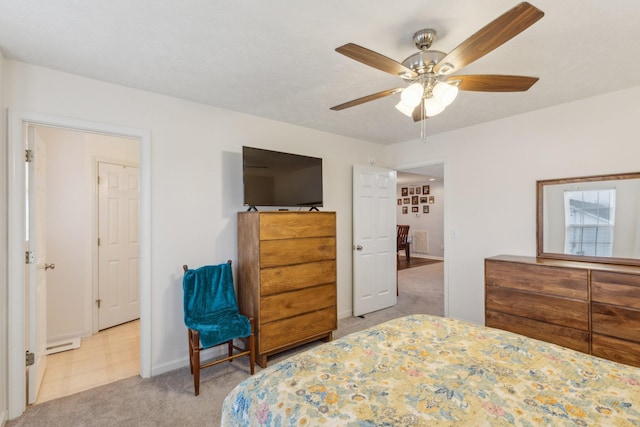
(540, 225)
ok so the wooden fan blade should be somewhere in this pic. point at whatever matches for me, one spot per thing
(376, 60)
(367, 98)
(491, 36)
(493, 83)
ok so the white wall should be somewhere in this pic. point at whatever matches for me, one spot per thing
(491, 171)
(432, 222)
(71, 162)
(196, 179)
(3, 248)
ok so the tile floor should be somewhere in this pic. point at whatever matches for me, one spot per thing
(110, 355)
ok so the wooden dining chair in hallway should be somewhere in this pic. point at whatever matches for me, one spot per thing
(403, 242)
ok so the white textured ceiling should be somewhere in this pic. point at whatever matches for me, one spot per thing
(276, 58)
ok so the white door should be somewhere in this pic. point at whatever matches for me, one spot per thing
(118, 298)
(374, 239)
(36, 270)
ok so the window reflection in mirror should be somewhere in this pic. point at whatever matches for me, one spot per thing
(590, 218)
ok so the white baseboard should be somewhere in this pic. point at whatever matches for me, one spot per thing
(64, 345)
(419, 255)
(184, 361)
(3, 418)
(346, 313)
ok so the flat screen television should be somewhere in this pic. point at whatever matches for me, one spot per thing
(273, 178)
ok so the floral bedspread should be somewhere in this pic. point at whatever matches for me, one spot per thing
(422, 371)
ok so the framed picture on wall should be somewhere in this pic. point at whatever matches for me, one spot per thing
(432, 199)
(405, 191)
(405, 209)
(417, 190)
(425, 189)
(414, 200)
(407, 200)
(399, 201)
(424, 199)
(415, 209)
(425, 209)
(412, 190)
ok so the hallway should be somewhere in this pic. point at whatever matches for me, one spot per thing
(110, 355)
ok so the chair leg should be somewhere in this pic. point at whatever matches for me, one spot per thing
(230, 345)
(195, 343)
(407, 251)
(190, 350)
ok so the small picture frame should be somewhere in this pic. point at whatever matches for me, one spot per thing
(405, 209)
(432, 199)
(414, 200)
(415, 209)
(405, 191)
(412, 190)
(399, 202)
(406, 200)
(425, 209)
(417, 190)
(424, 199)
(425, 189)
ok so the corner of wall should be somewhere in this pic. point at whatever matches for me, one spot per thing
(3, 248)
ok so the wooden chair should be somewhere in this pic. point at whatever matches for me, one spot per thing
(212, 317)
(403, 243)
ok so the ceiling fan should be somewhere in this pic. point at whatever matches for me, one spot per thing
(432, 85)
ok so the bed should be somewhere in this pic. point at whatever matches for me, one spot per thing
(424, 370)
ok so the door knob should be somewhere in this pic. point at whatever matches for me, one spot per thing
(49, 266)
(358, 248)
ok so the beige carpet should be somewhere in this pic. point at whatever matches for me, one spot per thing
(168, 400)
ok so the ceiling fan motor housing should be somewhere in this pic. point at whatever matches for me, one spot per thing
(423, 62)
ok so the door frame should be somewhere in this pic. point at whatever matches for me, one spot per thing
(447, 237)
(16, 334)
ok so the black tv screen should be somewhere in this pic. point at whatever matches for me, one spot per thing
(272, 178)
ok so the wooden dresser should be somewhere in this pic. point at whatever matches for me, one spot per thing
(590, 307)
(287, 277)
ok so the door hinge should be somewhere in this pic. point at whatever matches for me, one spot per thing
(28, 156)
(28, 257)
(30, 358)
(99, 302)
(98, 241)
(98, 179)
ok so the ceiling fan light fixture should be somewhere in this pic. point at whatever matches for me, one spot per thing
(405, 109)
(445, 93)
(412, 94)
(432, 107)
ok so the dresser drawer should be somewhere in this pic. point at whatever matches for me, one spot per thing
(294, 225)
(296, 251)
(564, 282)
(292, 277)
(615, 321)
(616, 288)
(286, 332)
(615, 349)
(288, 304)
(559, 311)
(561, 335)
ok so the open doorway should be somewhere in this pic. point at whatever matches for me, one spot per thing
(93, 242)
(18, 302)
(420, 206)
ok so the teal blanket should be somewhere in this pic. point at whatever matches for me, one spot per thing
(210, 305)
